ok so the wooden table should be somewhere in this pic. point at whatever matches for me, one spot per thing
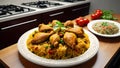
(108, 47)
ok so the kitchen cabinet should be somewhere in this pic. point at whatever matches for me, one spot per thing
(11, 30)
(78, 10)
(68, 13)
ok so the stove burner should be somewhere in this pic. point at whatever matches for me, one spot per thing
(7, 10)
(3, 12)
(41, 4)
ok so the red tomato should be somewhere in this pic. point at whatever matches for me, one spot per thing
(80, 18)
(98, 13)
(98, 10)
(80, 22)
(86, 21)
(93, 16)
(77, 20)
(50, 51)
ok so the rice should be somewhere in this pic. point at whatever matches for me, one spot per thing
(105, 28)
(61, 52)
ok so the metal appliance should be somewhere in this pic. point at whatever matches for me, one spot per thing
(41, 4)
(8, 10)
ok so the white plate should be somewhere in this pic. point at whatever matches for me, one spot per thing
(94, 46)
(90, 24)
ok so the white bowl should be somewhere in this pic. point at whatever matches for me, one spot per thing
(22, 47)
(90, 24)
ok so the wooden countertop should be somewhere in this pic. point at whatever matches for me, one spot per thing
(107, 48)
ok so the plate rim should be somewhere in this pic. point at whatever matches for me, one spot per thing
(89, 26)
(94, 47)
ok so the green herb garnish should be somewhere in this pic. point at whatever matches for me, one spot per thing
(104, 24)
(50, 25)
(61, 41)
(51, 46)
(107, 14)
(46, 47)
(58, 26)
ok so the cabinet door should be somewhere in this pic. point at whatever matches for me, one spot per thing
(12, 30)
(79, 10)
(60, 14)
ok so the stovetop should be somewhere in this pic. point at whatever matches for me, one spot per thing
(41, 4)
(8, 10)
(23, 8)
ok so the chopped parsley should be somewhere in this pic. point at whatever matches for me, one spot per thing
(104, 24)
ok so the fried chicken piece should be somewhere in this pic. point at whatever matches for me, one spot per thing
(44, 28)
(69, 23)
(54, 22)
(70, 39)
(54, 39)
(40, 37)
(77, 30)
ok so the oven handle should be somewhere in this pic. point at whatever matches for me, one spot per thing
(76, 9)
(55, 14)
(15, 25)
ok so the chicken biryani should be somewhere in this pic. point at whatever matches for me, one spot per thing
(58, 40)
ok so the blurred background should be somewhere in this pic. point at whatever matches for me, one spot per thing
(105, 4)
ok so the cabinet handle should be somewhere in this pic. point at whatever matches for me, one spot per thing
(76, 9)
(55, 14)
(11, 26)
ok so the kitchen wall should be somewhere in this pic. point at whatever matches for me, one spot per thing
(105, 4)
